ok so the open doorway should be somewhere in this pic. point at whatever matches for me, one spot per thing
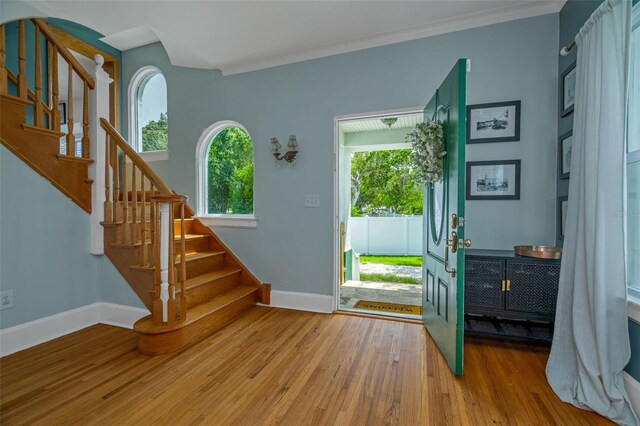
(380, 201)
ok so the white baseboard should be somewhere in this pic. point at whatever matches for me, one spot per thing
(32, 333)
(633, 390)
(120, 315)
(302, 301)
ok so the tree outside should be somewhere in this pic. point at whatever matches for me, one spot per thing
(385, 181)
(230, 173)
(154, 134)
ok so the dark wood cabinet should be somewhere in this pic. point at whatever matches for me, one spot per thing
(514, 296)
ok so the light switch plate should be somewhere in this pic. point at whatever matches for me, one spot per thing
(312, 200)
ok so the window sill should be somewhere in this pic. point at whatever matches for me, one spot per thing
(154, 156)
(229, 221)
(633, 307)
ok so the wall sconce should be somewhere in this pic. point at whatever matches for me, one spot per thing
(291, 153)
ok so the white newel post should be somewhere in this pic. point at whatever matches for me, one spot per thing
(98, 107)
(164, 260)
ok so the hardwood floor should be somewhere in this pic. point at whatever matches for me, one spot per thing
(275, 366)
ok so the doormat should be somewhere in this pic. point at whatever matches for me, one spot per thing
(396, 308)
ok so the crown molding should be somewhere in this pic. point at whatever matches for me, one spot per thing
(510, 12)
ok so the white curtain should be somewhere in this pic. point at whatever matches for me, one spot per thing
(591, 341)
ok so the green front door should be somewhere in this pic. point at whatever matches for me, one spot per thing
(443, 245)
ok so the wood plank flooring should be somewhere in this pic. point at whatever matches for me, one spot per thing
(281, 367)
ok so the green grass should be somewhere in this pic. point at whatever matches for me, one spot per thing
(393, 260)
(388, 278)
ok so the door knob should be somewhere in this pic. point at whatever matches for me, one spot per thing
(467, 243)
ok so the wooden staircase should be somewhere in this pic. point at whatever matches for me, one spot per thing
(190, 281)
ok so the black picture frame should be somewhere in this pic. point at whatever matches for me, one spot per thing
(516, 176)
(562, 202)
(491, 139)
(62, 108)
(567, 105)
(562, 165)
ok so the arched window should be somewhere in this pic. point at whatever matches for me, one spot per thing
(224, 165)
(148, 120)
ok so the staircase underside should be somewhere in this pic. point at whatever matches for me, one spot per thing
(40, 149)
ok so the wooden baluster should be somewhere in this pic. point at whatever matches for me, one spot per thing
(172, 268)
(22, 64)
(107, 183)
(53, 84)
(3, 60)
(157, 302)
(134, 205)
(143, 221)
(183, 266)
(71, 140)
(125, 201)
(37, 109)
(152, 230)
(115, 190)
(85, 121)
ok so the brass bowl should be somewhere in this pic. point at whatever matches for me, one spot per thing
(540, 252)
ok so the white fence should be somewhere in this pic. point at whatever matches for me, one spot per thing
(401, 236)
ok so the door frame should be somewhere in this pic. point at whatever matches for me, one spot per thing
(336, 184)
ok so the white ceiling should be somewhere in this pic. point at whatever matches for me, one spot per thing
(240, 36)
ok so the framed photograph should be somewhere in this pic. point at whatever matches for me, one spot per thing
(564, 154)
(496, 122)
(62, 108)
(568, 90)
(493, 180)
(563, 203)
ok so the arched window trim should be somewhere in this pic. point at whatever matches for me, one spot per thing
(135, 138)
(202, 149)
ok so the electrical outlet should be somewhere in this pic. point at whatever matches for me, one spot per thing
(6, 299)
(312, 200)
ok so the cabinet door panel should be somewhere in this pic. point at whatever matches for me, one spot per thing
(483, 283)
(534, 287)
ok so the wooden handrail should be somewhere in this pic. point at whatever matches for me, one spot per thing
(135, 158)
(64, 52)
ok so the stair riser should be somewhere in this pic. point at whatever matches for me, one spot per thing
(207, 291)
(201, 266)
(173, 341)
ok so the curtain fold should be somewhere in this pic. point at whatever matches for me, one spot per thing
(591, 341)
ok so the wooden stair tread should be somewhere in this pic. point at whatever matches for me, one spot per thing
(197, 255)
(196, 313)
(207, 278)
(114, 223)
(74, 159)
(187, 237)
(42, 130)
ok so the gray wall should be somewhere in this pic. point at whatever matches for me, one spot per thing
(292, 246)
(572, 17)
(44, 250)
